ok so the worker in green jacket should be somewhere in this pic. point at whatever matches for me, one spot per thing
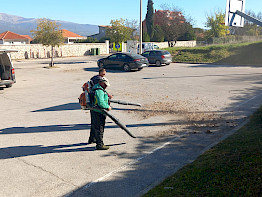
(98, 123)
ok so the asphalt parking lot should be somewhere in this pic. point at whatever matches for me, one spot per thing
(186, 108)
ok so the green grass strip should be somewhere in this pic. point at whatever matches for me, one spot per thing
(235, 54)
(231, 168)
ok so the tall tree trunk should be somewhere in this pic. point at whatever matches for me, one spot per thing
(52, 56)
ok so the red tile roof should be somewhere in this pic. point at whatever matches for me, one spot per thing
(8, 35)
(69, 34)
(28, 37)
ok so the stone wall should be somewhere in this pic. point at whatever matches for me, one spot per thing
(35, 51)
(31, 51)
(161, 45)
(191, 43)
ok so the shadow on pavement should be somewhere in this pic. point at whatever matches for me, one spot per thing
(148, 169)
(22, 151)
(109, 70)
(72, 127)
(64, 107)
(74, 106)
(56, 62)
(91, 69)
(43, 129)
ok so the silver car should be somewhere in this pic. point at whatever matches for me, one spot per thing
(7, 72)
(158, 57)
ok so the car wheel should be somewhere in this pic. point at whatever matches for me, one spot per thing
(167, 63)
(101, 65)
(8, 86)
(126, 67)
(158, 63)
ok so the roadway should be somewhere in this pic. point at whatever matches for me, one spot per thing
(186, 109)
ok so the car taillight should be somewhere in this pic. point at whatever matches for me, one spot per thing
(163, 57)
(136, 60)
(13, 71)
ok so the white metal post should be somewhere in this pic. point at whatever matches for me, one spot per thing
(141, 33)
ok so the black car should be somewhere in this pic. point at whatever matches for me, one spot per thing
(7, 71)
(126, 61)
(158, 57)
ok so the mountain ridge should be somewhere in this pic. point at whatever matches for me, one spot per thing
(23, 26)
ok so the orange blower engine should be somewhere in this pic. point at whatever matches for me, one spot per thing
(84, 99)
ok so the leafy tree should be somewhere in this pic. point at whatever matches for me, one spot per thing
(103, 39)
(88, 40)
(158, 34)
(173, 29)
(173, 23)
(198, 30)
(118, 32)
(146, 37)
(200, 34)
(48, 34)
(150, 18)
(216, 24)
(189, 33)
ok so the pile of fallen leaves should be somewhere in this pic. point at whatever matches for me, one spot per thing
(195, 113)
(158, 109)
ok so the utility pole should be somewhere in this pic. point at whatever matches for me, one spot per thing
(141, 32)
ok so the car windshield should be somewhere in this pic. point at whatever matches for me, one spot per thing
(165, 52)
(136, 56)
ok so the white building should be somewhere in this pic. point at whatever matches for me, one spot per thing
(9, 38)
(71, 37)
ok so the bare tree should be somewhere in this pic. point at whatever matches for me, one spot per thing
(133, 24)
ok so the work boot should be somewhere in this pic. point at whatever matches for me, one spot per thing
(103, 147)
(90, 141)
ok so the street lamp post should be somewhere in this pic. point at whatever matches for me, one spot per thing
(141, 33)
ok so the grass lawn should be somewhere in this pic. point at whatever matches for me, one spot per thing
(231, 168)
(235, 54)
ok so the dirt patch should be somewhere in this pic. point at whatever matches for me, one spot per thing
(193, 115)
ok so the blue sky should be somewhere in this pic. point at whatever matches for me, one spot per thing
(100, 12)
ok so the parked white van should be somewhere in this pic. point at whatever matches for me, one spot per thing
(7, 71)
(147, 46)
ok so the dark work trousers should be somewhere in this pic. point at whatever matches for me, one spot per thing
(98, 124)
(92, 132)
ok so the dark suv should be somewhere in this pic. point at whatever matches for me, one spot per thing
(7, 71)
(158, 57)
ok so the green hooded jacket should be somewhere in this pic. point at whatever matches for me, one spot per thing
(101, 97)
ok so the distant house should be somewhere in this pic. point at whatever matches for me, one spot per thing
(71, 37)
(101, 34)
(161, 15)
(165, 15)
(27, 36)
(9, 37)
